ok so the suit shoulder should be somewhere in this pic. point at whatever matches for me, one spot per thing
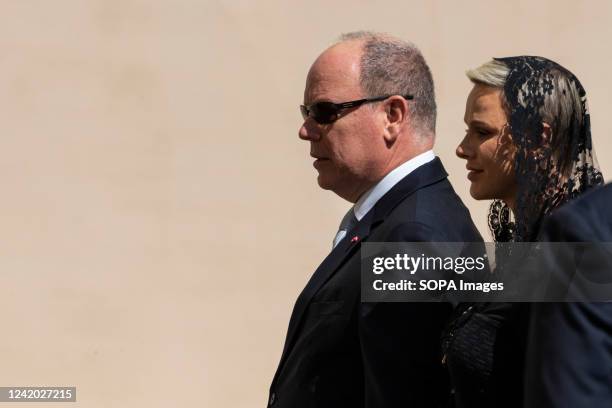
(583, 219)
(596, 199)
(437, 212)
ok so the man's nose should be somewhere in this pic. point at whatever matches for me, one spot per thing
(309, 131)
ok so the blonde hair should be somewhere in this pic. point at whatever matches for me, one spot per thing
(492, 73)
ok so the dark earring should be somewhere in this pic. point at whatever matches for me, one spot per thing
(499, 221)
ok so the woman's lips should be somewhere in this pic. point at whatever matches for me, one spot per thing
(473, 174)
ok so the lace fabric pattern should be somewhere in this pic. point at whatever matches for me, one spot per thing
(549, 172)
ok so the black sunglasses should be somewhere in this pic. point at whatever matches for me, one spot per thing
(325, 113)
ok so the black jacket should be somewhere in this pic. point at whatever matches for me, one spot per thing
(340, 352)
(569, 354)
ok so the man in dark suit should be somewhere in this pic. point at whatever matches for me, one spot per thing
(369, 116)
(569, 355)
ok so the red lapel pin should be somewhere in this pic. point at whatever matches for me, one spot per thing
(354, 239)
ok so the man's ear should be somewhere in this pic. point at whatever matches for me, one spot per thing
(396, 115)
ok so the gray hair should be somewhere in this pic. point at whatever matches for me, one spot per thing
(390, 66)
(560, 106)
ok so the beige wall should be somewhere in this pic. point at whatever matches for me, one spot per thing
(159, 215)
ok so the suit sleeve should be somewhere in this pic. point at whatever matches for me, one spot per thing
(569, 358)
(400, 344)
(569, 354)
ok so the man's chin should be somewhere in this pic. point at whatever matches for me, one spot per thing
(324, 182)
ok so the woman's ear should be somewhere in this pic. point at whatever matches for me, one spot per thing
(505, 137)
(546, 134)
(506, 144)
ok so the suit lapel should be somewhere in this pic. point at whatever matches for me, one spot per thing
(330, 264)
(425, 175)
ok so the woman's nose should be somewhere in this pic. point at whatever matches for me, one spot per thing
(462, 151)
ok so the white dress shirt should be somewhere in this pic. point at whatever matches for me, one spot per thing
(367, 201)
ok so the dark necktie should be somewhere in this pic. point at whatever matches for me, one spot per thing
(348, 223)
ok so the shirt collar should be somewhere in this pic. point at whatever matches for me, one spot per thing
(367, 201)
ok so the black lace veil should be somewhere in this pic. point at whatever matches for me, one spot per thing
(549, 170)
